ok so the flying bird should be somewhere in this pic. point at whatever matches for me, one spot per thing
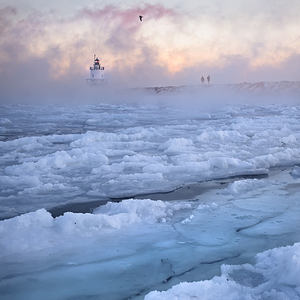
(141, 18)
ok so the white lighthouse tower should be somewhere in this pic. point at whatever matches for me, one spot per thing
(96, 72)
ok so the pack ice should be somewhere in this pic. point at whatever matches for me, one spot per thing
(190, 203)
(93, 152)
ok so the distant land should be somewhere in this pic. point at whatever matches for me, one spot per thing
(260, 87)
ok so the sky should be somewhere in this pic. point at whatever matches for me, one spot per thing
(50, 42)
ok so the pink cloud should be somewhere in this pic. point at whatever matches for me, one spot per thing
(6, 14)
(118, 32)
(124, 24)
(128, 17)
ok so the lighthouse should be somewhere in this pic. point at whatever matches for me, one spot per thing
(96, 72)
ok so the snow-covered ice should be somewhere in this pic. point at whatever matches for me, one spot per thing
(275, 275)
(182, 203)
(125, 250)
(39, 230)
(63, 157)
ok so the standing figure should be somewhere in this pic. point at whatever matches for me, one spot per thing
(208, 79)
(202, 79)
(141, 18)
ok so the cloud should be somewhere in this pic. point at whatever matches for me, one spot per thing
(6, 14)
(123, 25)
(127, 17)
(169, 47)
(117, 32)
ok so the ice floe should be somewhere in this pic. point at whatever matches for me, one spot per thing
(39, 230)
(275, 275)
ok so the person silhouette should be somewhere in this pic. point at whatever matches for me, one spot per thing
(208, 79)
(141, 18)
(202, 79)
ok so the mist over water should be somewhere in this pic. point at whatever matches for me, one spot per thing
(34, 81)
(77, 91)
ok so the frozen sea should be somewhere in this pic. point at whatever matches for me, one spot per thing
(150, 200)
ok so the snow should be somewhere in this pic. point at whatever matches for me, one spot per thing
(243, 186)
(39, 230)
(275, 275)
(137, 245)
(149, 149)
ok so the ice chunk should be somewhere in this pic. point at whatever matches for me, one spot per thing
(177, 145)
(296, 172)
(276, 275)
(243, 186)
(4, 121)
(222, 136)
(38, 230)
